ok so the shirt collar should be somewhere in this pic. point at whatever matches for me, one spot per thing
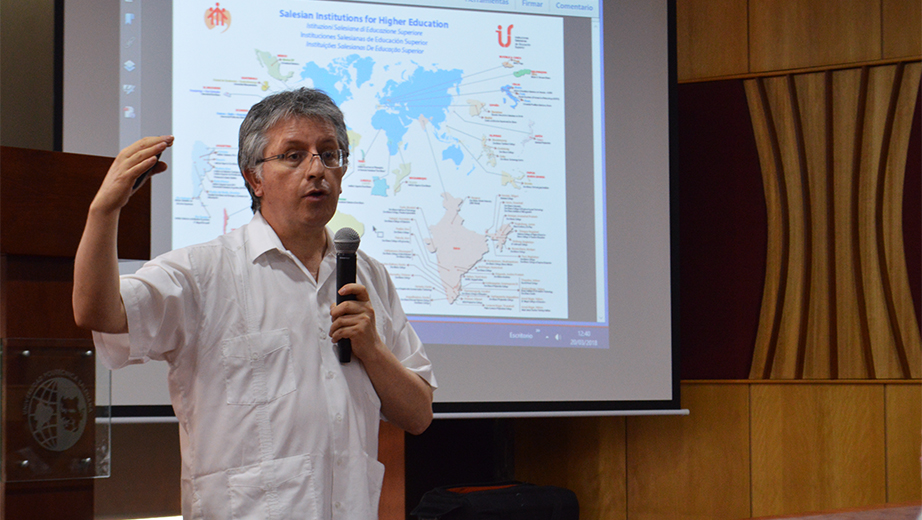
(261, 238)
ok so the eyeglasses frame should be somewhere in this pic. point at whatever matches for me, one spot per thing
(342, 158)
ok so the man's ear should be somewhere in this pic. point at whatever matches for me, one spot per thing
(254, 181)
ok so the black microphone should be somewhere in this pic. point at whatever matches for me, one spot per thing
(346, 242)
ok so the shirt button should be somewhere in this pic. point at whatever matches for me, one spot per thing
(254, 356)
(338, 505)
(339, 417)
(330, 375)
(322, 334)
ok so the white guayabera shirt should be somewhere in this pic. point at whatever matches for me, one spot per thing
(272, 426)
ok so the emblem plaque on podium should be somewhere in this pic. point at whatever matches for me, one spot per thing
(58, 411)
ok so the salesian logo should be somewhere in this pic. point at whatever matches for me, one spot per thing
(217, 16)
(56, 408)
(499, 35)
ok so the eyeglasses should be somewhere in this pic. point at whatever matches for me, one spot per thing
(328, 158)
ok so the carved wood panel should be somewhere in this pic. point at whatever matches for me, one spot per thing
(832, 147)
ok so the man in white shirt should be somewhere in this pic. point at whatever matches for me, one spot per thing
(271, 424)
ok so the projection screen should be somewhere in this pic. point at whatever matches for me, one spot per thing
(510, 163)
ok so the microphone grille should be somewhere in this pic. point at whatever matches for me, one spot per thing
(346, 240)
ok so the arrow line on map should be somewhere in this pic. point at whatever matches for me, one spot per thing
(435, 161)
(497, 127)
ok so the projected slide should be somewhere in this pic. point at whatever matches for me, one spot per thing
(510, 161)
(458, 153)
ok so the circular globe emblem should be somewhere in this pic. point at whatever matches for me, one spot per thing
(56, 412)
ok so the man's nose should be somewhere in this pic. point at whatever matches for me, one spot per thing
(314, 169)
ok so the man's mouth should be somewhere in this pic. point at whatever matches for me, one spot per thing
(315, 194)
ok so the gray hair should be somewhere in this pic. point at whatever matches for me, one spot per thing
(290, 104)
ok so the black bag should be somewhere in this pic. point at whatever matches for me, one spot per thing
(500, 501)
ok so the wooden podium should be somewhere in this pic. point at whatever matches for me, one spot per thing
(47, 384)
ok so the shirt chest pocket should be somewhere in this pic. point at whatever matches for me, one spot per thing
(257, 367)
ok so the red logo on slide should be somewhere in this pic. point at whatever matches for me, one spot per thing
(499, 35)
(217, 16)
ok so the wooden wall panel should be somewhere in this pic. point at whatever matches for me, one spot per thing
(792, 34)
(711, 38)
(901, 315)
(391, 454)
(145, 473)
(883, 362)
(775, 199)
(747, 449)
(795, 212)
(696, 466)
(837, 301)
(902, 35)
(585, 455)
(845, 110)
(817, 447)
(904, 441)
(810, 91)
